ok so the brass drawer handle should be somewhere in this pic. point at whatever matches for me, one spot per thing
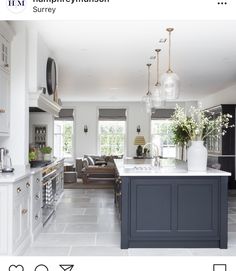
(118, 194)
(2, 111)
(27, 185)
(24, 211)
(118, 180)
(18, 190)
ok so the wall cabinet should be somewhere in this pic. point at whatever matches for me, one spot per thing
(5, 54)
(4, 102)
(4, 85)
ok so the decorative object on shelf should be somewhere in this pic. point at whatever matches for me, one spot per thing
(147, 99)
(138, 129)
(40, 136)
(85, 128)
(51, 76)
(169, 80)
(157, 93)
(139, 141)
(196, 128)
(46, 151)
(32, 154)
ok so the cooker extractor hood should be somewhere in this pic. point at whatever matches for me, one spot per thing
(40, 102)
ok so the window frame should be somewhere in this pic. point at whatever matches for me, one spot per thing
(126, 128)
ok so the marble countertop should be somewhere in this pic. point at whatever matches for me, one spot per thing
(21, 172)
(166, 167)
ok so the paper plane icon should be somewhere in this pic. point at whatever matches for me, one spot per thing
(66, 267)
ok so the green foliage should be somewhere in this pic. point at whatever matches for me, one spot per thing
(32, 155)
(67, 137)
(46, 150)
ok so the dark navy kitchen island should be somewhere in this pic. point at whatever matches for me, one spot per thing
(172, 208)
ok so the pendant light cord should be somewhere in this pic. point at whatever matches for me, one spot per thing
(149, 65)
(158, 51)
(169, 70)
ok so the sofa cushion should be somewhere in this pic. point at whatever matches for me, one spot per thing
(90, 161)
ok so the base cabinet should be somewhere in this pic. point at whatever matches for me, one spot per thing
(174, 212)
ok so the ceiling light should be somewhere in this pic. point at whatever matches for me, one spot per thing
(147, 99)
(157, 92)
(170, 80)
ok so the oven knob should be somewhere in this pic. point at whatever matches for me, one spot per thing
(18, 190)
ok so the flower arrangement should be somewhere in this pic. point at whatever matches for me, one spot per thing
(198, 125)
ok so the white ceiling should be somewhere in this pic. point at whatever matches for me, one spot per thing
(106, 60)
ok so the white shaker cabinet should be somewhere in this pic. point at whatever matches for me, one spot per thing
(15, 212)
(5, 54)
(4, 102)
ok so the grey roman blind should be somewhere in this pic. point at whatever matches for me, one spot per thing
(112, 114)
(162, 113)
(66, 114)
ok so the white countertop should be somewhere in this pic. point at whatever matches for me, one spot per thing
(21, 172)
(168, 167)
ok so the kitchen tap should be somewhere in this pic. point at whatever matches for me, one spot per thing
(155, 152)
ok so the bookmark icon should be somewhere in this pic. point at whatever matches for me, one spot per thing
(66, 267)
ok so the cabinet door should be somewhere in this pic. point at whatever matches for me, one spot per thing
(5, 54)
(21, 220)
(4, 102)
(167, 208)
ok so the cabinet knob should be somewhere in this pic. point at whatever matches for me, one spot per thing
(2, 111)
(37, 197)
(27, 185)
(118, 194)
(18, 190)
(36, 217)
(118, 181)
(6, 65)
(24, 211)
(37, 180)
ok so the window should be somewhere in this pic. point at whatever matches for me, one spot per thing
(63, 134)
(161, 131)
(63, 138)
(112, 137)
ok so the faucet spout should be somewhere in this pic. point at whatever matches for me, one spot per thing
(155, 152)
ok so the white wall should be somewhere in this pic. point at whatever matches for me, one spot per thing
(46, 119)
(86, 113)
(225, 96)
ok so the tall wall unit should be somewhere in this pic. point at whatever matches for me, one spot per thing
(221, 150)
(5, 39)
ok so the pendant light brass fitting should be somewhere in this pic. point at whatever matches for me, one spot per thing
(170, 29)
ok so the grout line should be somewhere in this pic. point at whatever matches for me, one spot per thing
(69, 252)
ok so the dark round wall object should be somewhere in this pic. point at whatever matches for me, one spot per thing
(51, 76)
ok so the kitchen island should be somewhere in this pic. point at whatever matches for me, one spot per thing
(169, 207)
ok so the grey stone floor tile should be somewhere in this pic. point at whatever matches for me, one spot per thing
(94, 228)
(62, 240)
(80, 219)
(100, 211)
(108, 239)
(54, 228)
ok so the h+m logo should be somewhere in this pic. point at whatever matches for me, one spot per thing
(16, 6)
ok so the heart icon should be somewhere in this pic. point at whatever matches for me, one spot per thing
(16, 268)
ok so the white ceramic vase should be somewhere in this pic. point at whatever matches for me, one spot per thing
(47, 157)
(197, 157)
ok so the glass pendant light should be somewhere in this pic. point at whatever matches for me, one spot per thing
(157, 92)
(170, 81)
(147, 99)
